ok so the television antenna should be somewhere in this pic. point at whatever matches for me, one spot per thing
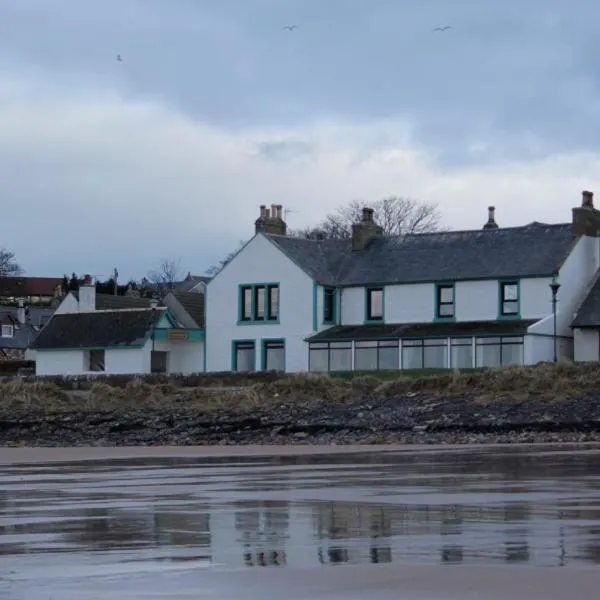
(287, 211)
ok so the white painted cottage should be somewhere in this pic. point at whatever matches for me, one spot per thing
(456, 299)
(93, 333)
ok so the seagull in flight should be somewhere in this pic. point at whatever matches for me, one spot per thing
(119, 58)
(444, 28)
(291, 27)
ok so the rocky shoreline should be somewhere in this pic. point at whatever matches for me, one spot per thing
(408, 419)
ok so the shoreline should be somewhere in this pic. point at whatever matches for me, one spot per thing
(62, 454)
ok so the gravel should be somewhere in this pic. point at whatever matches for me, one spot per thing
(411, 419)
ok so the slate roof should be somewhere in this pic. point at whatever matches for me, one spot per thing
(112, 302)
(29, 286)
(23, 333)
(341, 333)
(105, 329)
(536, 249)
(588, 314)
(193, 304)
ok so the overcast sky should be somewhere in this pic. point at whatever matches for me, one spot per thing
(217, 109)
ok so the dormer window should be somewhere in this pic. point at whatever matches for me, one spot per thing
(8, 331)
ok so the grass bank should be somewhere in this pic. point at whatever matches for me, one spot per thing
(247, 393)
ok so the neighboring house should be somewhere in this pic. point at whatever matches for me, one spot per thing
(83, 338)
(19, 327)
(32, 290)
(187, 308)
(454, 299)
(191, 283)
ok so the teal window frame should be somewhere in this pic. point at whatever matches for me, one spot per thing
(234, 348)
(437, 298)
(268, 318)
(368, 291)
(333, 293)
(263, 351)
(502, 283)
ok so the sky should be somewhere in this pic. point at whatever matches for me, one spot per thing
(215, 109)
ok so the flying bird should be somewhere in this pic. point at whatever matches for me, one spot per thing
(119, 58)
(291, 27)
(444, 28)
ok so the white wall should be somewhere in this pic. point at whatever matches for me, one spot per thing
(184, 357)
(69, 304)
(59, 362)
(258, 262)
(474, 301)
(124, 361)
(587, 345)
(575, 276)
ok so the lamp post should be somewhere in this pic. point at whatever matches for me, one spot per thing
(153, 304)
(554, 287)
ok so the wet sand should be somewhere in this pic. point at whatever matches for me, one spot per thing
(13, 455)
(429, 523)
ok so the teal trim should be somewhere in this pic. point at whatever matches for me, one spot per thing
(436, 301)
(334, 310)
(315, 303)
(512, 316)
(420, 337)
(263, 352)
(124, 347)
(234, 344)
(253, 320)
(419, 281)
(368, 290)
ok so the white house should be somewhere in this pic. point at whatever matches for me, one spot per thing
(455, 299)
(82, 338)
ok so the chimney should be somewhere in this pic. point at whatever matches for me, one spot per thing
(491, 222)
(271, 221)
(365, 229)
(87, 295)
(586, 219)
(21, 312)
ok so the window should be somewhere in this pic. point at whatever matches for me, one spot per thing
(329, 308)
(273, 313)
(499, 351)
(246, 300)
(244, 359)
(334, 356)
(273, 355)
(444, 301)
(425, 354)
(259, 303)
(374, 304)
(8, 331)
(509, 298)
(461, 353)
(376, 356)
(95, 361)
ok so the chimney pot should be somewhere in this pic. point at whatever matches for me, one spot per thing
(587, 199)
(263, 211)
(367, 214)
(491, 222)
(279, 211)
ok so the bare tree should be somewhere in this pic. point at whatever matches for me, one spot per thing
(168, 272)
(221, 264)
(8, 264)
(397, 216)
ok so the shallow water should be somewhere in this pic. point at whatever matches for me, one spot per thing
(395, 523)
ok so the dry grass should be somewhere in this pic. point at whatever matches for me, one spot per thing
(557, 381)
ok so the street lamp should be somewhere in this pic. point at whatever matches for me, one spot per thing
(554, 287)
(153, 304)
